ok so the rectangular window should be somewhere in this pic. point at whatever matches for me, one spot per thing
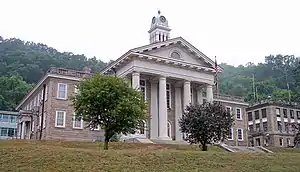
(12, 119)
(257, 127)
(264, 113)
(286, 126)
(11, 132)
(251, 128)
(277, 112)
(230, 134)
(279, 127)
(238, 114)
(61, 91)
(281, 141)
(284, 113)
(250, 116)
(228, 109)
(298, 114)
(265, 126)
(256, 113)
(240, 134)
(288, 141)
(5, 118)
(143, 88)
(168, 87)
(4, 131)
(292, 114)
(60, 119)
(77, 123)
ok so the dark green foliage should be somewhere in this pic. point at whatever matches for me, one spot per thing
(30, 61)
(206, 123)
(109, 102)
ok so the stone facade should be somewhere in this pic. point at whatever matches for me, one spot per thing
(33, 108)
(270, 122)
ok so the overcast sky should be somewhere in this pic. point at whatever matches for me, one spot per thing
(236, 31)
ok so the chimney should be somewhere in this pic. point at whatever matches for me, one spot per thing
(87, 70)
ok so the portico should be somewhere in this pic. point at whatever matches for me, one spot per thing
(171, 73)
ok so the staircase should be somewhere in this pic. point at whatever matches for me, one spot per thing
(257, 149)
(173, 142)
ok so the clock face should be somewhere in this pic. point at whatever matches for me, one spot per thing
(162, 19)
(153, 20)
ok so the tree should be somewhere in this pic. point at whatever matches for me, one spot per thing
(296, 129)
(110, 103)
(206, 123)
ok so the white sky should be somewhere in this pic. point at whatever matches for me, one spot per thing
(236, 31)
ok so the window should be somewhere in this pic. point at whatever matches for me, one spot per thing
(265, 126)
(279, 127)
(77, 123)
(284, 113)
(277, 112)
(256, 113)
(5, 118)
(240, 134)
(238, 113)
(288, 141)
(143, 88)
(228, 109)
(175, 55)
(62, 91)
(4, 131)
(250, 116)
(292, 114)
(168, 87)
(12, 119)
(11, 132)
(264, 113)
(280, 141)
(251, 128)
(298, 114)
(286, 127)
(230, 134)
(257, 127)
(60, 119)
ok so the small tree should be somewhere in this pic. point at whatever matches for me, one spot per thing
(296, 130)
(109, 102)
(206, 123)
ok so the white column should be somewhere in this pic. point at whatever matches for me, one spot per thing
(209, 93)
(23, 130)
(163, 113)
(199, 96)
(154, 111)
(135, 80)
(186, 93)
(178, 113)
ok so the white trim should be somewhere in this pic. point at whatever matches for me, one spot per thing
(232, 135)
(242, 134)
(241, 115)
(64, 119)
(264, 120)
(66, 91)
(169, 129)
(231, 102)
(170, 95)
(81, 122)
(278, 118)
(250, 122)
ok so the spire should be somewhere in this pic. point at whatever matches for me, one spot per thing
(159, 30)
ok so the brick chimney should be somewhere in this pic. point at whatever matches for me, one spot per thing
(87, 70)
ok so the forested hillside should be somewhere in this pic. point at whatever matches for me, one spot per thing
(22, 64)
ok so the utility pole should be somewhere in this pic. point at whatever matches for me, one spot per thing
(288, 86)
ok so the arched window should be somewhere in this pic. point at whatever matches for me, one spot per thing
(169, 129)
(175, 55)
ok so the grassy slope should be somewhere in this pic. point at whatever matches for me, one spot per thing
(55, 156)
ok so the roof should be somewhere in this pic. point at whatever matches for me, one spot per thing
(156, 45)
(265, 103)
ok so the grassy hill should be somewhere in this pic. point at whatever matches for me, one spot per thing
(31, 156)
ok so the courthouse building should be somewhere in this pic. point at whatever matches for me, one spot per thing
(170, 72)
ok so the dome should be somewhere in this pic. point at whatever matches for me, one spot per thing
(159, 20)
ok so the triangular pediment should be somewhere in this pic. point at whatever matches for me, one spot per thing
(177, 48)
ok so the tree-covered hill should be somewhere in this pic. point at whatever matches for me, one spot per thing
(23, 63)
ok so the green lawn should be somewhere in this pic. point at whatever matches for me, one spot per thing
(53, 156)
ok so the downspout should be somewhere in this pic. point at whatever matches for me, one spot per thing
(42, 114)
